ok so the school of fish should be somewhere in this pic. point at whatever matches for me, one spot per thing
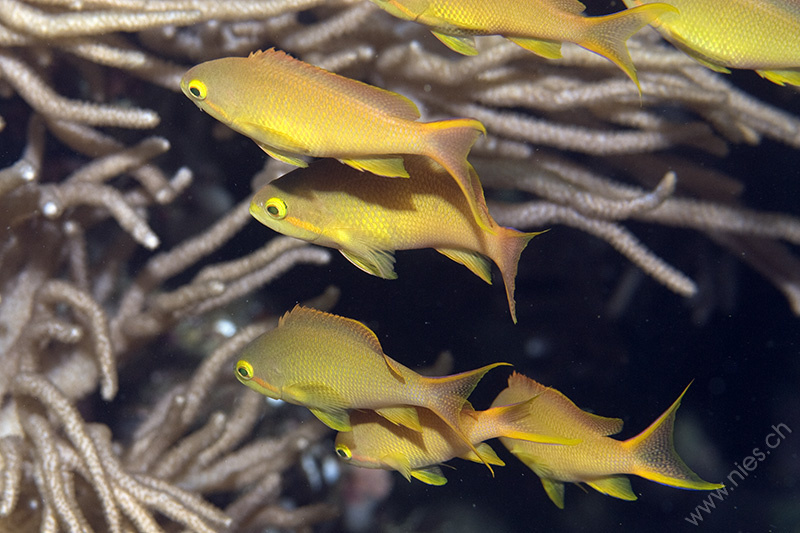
(402, 184)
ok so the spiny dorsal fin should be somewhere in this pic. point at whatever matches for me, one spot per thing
(599, 425)
(570, 6)
(390, 102)
(301, 315)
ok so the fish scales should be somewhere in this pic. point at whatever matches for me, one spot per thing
(762, 35)
(292, 109)
(331, 364)
(332, 205)
(376, 443)
(597, 460)
(537, 25)
(284, 89)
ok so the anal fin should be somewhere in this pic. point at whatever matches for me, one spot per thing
(546, 49)
(477, 263)
(616, 486)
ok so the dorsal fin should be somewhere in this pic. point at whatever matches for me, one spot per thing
(300, 315)
(390, 102)
(570, 6)
(599, 425)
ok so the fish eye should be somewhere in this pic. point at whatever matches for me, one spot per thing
(244, 370)
(343, 452)
(198, 89)
(276, 208)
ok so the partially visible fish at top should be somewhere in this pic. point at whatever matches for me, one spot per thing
(760, 35)
(331, 364)
(293, 109)
(536, 25)
(376, 443)
(332, 205)
(597, 460)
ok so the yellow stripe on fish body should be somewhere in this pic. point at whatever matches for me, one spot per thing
(376, 443)
(597, 460)
(760, 35)
(293, 109)
(367, 220)
(331, 364)
(537, 25)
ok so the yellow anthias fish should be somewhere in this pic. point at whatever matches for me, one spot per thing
(760, 35)
(367, 220)
(376, 443)
(331, 364)
(536, 25)
(597, 460)
(293, 109)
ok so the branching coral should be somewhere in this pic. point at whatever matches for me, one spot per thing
(82, 303)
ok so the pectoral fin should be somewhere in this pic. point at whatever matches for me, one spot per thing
(373, 261)
(485, 455)
(282, 156)
(399, 462)
(616, 486)
(477, 263)
(390, 167)
(402, 416)
(547, 49)
(462, 44)
(333, 414)
(276, 143)
(432, 475)
(337, 419)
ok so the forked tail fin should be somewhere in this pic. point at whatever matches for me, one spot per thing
(508, 246)
(449, 143)
(607, 35)
(655, 458)
(448, 395)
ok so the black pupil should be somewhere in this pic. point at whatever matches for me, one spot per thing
(195, 91)
(272, 210)
(342, 454)
(243, 372)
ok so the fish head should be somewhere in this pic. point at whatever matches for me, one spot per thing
(403, 9)
(246, 374)
(213, 88)
(291, 210)
(261, 365)
(347, 449)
